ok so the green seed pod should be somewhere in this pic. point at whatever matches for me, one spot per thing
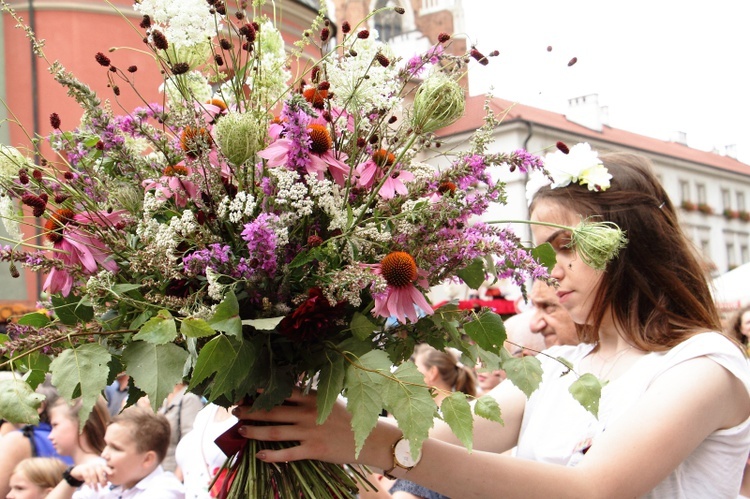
(240, 136)
(439, 102)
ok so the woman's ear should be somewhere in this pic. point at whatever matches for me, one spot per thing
(432, 374)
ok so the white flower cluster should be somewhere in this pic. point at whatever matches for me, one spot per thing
(237, 209)
(215, 288)
(271, 79)
(422, 172)
(169, 236)
(292, 192)
(183, 22)
(580, 165)
(349, 88)
(11, 161)
(194, 83)
(10, 216)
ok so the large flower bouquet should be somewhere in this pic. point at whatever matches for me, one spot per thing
(257, 230)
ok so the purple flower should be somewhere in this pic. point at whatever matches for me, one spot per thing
(261, 243)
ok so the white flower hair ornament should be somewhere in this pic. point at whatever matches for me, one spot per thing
(579, 165)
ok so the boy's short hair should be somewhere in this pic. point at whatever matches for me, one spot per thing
(150, 431)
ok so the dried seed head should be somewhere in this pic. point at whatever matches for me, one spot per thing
(54, 120)
(346, 27)
(102, 59)
(444, 37)
(364, 34)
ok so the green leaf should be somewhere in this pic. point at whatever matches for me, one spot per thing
(488, 408)
(473, 274)
(279, 386)
(330, 384)
(268, 324)
(70, 311)
(456, 412)
(363, 393)
(141, 319)
(304, 258)
(155, 369)
(196, 328)
(411, 404)
(488, 331)
(81, 372)
(18, 402)
(121, 289)
(34, 319)
(211, 359)
(587, 390)
(158, 330)
(362, 327)
(524, 372)
(545, 255)
(566, 363)
(37, 367)
(233, 370)
(227, 316)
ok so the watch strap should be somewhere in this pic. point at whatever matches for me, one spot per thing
(70, 479)
(396, 463)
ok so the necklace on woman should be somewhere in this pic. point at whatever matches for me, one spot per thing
(612, 360)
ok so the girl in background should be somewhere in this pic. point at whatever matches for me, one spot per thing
(35, 477)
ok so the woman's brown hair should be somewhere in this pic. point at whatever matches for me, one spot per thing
(454, 374)
(96, 424)
(656, 288)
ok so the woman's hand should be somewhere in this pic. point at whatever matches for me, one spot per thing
(332, 441)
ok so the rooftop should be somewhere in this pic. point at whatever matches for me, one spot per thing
(509, 112)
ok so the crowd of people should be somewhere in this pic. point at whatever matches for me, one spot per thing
(673, 421)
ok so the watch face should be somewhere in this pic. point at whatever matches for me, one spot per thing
(403, 456)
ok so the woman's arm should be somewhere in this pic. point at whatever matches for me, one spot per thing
(14, 447)
(680, 409)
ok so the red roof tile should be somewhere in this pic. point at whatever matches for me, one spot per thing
(509, 112)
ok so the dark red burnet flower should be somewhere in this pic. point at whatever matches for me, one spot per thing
(562, 147)
(313, 319)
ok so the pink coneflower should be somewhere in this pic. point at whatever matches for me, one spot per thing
(320, 154)
(174, 185)
(401, 297)
(77, 246)
(372, 171)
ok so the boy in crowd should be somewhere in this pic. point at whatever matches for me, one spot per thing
(130, 468)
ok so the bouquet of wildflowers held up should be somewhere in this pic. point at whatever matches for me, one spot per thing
(260, 229)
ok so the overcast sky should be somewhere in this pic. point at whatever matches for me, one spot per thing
(660, 66)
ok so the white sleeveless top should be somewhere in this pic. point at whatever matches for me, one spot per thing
(557, 429)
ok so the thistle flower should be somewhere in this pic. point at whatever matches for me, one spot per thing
(240, 136)
(597, 243)
(439, 102)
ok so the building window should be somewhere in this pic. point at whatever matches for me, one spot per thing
(726, 199)
(744, 253)
(705, 245)
(388, 22)
(741, 201)
(701, 193)
(684, 191)
(731, 255)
